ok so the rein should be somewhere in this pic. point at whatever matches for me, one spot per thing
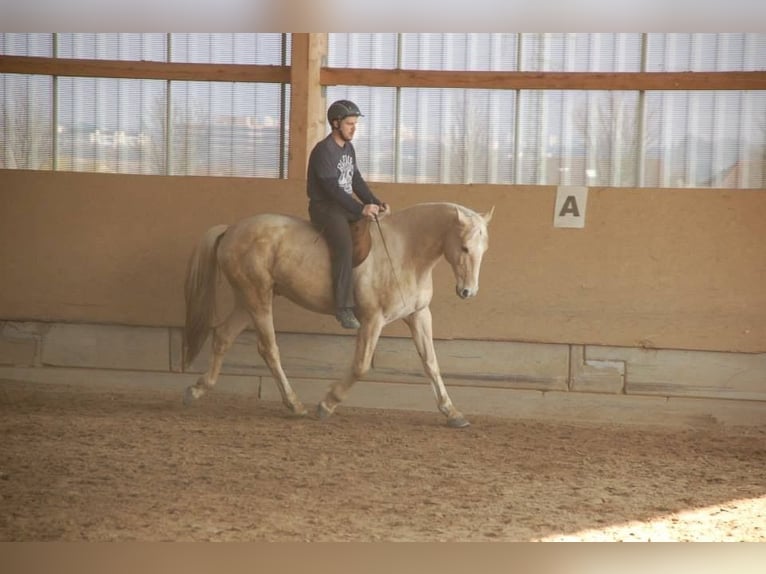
(390, 261)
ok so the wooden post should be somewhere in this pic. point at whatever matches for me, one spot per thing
(307, 100)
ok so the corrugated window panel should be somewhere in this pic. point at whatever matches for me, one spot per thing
(230, 48)
(504, 52)
(420, 126)
(442, 135)
(752, 132)
(423, 52)
(374, 140)
(501, 114)
(581, 52)
(532, 138)
(566, 138)
(26, 128)
(476, 139)
(286, 131)
(609, 124)
(460, 52)
(706, 52)
(362, 50)
(111, 125)
(113, 46)
(456, 136)
(706, 139)
(225, 129)
(579, 138)
(754, 52)
(542, 142)
(20, 44)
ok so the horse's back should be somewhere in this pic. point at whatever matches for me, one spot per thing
(270, 223)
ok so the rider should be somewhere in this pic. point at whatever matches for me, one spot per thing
(333, 180)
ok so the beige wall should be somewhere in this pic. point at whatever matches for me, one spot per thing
(676, 269)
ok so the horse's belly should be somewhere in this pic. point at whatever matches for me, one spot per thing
(308, 285)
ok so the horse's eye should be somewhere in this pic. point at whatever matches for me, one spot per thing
(465, 249)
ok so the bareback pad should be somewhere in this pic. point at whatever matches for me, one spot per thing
(361, 239)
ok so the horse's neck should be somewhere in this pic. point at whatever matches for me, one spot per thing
(423, 229)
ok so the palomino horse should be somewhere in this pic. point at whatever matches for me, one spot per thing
(270, 254)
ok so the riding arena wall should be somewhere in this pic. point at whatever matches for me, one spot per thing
(653, 312)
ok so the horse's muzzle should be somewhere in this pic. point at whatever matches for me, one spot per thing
(465, 292)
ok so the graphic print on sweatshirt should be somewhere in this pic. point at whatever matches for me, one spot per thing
(346, 168)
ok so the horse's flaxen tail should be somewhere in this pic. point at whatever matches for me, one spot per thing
(199, 291)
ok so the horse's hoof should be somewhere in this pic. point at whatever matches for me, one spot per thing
(458, 422)
(323, 412)
(189, 397)
(298, 410)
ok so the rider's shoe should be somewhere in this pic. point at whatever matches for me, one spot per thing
(346, 318)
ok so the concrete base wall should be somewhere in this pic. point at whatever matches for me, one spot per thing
(519, 380)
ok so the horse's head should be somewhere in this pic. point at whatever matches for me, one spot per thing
(464, 249)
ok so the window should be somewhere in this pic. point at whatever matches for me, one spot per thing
(146, 126)
(429, 135)
(615, 138)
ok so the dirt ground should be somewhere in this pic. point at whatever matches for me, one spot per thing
(81, 464)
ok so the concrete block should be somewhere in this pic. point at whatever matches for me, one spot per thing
(316, 356)
(241, 358)
(689, 373)
(481, 363)
(107, 347)
(557, 407)
(109, 379)
(609, 408)
(307, 356)
(595, 375)
(502, 364)
(23, 329)
(367, 394)
(176, 350)
(309, 391)
(20, 342)
(18, 352)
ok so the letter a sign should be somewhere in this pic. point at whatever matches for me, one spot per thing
(571, 202)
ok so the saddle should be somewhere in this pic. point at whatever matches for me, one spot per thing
(361, 239)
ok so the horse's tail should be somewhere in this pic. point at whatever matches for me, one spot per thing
(199, 292)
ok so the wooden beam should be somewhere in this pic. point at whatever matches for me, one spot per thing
(307, 100)
(385, 78)
(144, 70)
(545, 80)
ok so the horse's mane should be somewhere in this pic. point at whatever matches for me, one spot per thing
(440, 204)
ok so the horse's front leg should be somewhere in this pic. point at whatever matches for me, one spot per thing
(222, 339)
(422, 333)
(366, 340)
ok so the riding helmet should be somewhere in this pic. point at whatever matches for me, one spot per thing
(342, 109)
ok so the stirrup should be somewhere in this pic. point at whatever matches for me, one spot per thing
(347, 319)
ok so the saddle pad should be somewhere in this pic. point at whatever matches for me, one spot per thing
(361, 239)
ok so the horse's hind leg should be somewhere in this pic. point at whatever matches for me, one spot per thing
(422, 333)
(223, 337)
(263, 321)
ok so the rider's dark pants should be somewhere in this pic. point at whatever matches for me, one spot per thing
(332, 221)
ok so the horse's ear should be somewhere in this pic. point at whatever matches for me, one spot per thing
(488, 216)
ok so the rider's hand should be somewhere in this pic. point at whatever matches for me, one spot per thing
(370, 211)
